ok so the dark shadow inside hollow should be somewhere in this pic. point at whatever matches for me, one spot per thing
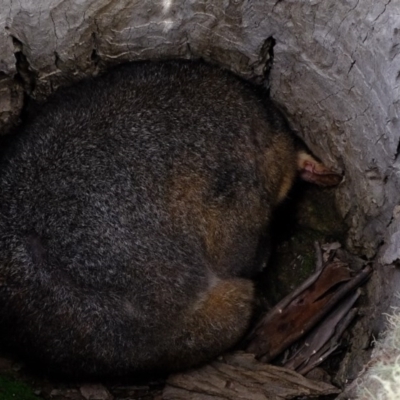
(307, 216)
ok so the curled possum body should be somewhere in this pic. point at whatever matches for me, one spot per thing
(133, 212)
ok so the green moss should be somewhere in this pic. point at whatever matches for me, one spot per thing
(11, 389)
(309, 216)
(316, 210)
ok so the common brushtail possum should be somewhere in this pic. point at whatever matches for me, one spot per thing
(132, 212)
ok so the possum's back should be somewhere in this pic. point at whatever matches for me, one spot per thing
(106, 195)
(91, 175)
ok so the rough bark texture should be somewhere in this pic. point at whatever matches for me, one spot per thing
(240, 376)
(336, 69)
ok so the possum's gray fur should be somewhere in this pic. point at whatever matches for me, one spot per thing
(132, 209)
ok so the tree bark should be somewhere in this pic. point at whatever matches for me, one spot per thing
(240, 376)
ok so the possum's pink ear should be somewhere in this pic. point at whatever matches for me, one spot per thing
(314, 171)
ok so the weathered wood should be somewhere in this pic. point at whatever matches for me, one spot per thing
(324, 339)
(241, 376)
(300, 311)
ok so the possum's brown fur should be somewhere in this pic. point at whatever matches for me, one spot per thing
(132, 212)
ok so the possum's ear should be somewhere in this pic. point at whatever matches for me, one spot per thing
(314, 171)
